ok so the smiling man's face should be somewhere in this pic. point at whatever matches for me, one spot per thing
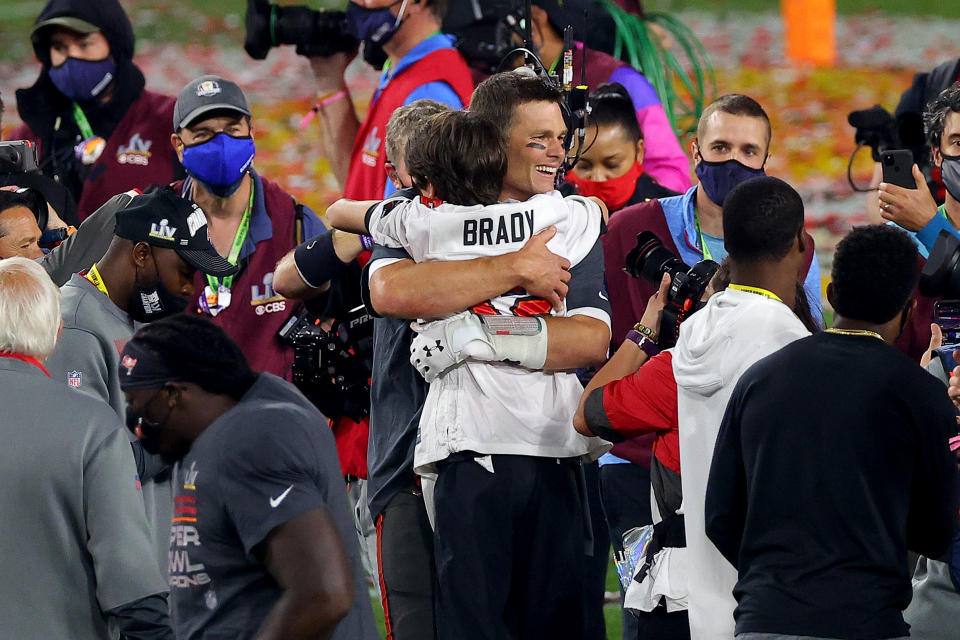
(535, 150)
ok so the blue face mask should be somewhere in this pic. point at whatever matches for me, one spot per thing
(373, 25)
(82, 80)
(220, 163)
(719, 178)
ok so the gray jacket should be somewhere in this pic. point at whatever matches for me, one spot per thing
(74, 540)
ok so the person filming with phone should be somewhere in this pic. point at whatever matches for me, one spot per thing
(914, 209)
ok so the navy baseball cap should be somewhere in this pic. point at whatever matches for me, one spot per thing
(165, 220)
(205, 94)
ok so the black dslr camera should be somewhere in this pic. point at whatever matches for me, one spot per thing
(314, 33)
(332, 368)
(18, 156)
(877, 129)
(650, 260)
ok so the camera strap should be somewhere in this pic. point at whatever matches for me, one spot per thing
(757, 290)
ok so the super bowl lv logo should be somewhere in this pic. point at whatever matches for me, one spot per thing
(268, 301)
(137, 151)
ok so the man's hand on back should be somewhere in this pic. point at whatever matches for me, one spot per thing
(542, 273)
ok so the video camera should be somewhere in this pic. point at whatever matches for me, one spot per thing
(650, 260)
(18, 156)
(332, 368)
(877, 129)
(314, 33)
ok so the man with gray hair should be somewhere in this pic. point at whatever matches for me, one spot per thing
(75, 543)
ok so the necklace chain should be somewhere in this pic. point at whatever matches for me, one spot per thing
(856, 332)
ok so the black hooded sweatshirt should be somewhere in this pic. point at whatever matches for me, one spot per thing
(41, 105)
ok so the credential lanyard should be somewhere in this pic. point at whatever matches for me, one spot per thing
(93, 275)
(238, 240)
(85, 129)
(757, 290)
(703, 242)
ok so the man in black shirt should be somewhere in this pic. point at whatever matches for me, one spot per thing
(816, 504)
(261, 543)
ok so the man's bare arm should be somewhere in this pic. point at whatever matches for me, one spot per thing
(338, 120)
(576, 341)
(350, 215)
(307, 558)
(406, 289)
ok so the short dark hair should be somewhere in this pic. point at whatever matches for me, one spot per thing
(875, 270)
(613, 107)
(497, 97)
(761, 218)
(439, 9)
(935, 115)
(461, 154)
(735, 104)
(11, 199)
(198, 351)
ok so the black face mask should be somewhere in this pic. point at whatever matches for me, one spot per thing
(144, 428)
(149, 303)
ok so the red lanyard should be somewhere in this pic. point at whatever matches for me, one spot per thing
(25, 358)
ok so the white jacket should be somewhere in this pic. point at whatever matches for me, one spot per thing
(716, 345)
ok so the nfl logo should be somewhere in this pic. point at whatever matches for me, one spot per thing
(74, 378)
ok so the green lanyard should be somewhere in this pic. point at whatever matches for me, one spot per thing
(238, 240)
(85, 129)
(703, 242)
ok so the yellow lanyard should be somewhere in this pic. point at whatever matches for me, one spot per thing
(703, 242)
(94, 277)
(756, 290)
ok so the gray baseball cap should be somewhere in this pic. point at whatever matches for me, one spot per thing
(67, 22)
(205, 94)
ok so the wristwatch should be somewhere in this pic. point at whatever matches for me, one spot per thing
(649, 346)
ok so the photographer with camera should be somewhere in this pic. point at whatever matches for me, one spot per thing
(753, 317)
(421, 63)
(99, 132)
(915, 210)
(253, 222)
(732, 145)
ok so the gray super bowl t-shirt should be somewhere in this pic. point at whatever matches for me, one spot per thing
(268, 460)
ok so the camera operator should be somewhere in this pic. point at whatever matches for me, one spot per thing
(22, 213)
(19, 168)
(253, 222)
(99, 132)
(763, 233)
(422, 63)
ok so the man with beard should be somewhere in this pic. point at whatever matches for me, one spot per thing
(262, 541)
(159, 242)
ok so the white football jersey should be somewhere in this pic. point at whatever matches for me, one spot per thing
(496, 408)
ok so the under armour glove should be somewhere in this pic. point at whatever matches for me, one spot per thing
(442, 344)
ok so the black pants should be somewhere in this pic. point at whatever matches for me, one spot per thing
(595, 586)
(625, 494)
(510, 550)
(406, 568)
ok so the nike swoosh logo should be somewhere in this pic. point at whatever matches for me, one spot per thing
(275, 502)
(604, 296)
